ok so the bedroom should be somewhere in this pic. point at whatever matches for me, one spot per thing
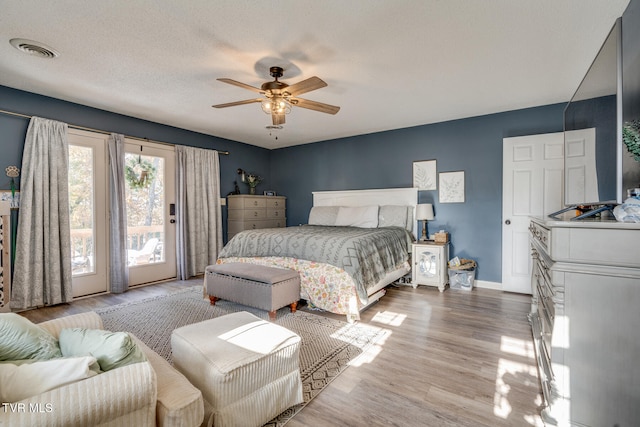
(471, 142)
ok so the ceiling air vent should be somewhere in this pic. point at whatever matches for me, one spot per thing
(33, 48)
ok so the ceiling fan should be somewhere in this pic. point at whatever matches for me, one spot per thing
(280, 97)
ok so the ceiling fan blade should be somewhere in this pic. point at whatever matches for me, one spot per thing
(316, 106)
(240, 84)
(277, 119)
(307, 85)
(233, 104)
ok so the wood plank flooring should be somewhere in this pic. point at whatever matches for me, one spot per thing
(456, 358)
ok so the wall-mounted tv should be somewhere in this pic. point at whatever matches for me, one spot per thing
(599, 169)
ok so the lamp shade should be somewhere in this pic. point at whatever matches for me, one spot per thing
(424, 211)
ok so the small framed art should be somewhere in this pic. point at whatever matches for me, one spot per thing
(451, 187)
(424, 175)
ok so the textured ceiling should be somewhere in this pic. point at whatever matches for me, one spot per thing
(388, 64)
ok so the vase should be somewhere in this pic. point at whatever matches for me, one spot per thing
(252, 190)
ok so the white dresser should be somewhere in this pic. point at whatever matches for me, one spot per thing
(247, 212)
(585, 318)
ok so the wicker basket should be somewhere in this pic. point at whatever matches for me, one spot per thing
(465, 264)
(441, 237)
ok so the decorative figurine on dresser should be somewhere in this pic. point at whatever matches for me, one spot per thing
(585, 318)
(247, 212)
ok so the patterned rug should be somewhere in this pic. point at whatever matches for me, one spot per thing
(328, 345)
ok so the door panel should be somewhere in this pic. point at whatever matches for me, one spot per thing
(532, 186)
(87, 211)
(150, 189)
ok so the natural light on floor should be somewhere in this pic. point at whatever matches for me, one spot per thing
(509, 368)
(389, 318)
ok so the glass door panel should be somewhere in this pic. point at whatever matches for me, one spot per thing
(149, 189)
(87, 212)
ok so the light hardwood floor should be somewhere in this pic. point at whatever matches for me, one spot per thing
(456, 358)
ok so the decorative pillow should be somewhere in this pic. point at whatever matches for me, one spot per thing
(358, 216)
(392, 216)
(111, 349)
(19, 382)
(22, 339)
(323, 215)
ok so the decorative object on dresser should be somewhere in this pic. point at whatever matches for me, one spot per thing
(251, 179)
(424, 213)
(584, 317)
(249, 212)
(430, 264)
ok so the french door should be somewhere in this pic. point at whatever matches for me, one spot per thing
(150, 195)
(150, 190)
(88, 212)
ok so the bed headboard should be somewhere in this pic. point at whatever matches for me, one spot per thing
(383, 196)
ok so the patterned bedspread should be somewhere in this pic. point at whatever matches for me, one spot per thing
(366, 254)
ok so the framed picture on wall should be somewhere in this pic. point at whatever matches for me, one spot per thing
(424, 175)
(451, 187)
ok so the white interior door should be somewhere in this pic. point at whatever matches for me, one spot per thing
(88, 212)
(532, 178)
(151, 232)
(582, 183)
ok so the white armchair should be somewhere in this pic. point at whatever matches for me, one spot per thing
(141, 394)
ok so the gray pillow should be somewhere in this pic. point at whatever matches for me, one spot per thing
(111, 349)
(323, 215)
(20, 339)
(392, 216)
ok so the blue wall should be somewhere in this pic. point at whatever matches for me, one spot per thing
(385, 160)
(380, 160)
(13, 131)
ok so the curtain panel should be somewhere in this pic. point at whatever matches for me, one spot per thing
(42, 273)
(198, 212)
(118, 266)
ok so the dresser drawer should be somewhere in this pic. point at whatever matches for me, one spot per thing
(277, 223)
(275, 202)
(247, 214)
(238, 226)
(540, 234)
(274, 213)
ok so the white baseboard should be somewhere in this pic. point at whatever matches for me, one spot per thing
(484, 284)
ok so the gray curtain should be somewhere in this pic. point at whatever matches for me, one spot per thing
(118, 268)
(42, 273)
(198, 213)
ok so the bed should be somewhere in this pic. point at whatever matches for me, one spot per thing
(356, 243)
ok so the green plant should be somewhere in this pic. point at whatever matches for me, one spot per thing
(631, 138)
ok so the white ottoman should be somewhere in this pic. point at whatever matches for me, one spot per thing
(246, 368)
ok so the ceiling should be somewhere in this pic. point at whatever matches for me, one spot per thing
(388, 64)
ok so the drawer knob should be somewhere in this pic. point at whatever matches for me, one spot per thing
(276, 213)
(255, 213)
(255, 203)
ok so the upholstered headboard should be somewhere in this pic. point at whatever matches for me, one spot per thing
(379, 197)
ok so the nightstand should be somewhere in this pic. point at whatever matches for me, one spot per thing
(430, 261)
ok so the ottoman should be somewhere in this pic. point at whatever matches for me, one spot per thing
(258, 286)
(246, 368)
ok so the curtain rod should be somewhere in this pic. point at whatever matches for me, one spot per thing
(11, 113)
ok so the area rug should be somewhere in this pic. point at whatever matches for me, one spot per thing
(328, 345)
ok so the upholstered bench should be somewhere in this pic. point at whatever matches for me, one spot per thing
(246, 368)
(258, 286)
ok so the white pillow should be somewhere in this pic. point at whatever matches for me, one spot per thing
(23, 381)
(323, 215)
(358, 216)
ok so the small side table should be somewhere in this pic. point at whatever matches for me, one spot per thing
(430, 264)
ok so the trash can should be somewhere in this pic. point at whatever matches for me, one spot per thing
(462, 276)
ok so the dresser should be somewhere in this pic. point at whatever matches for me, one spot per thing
(585, 318)
(247, 212)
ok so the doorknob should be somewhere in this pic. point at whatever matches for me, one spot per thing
(508, 222)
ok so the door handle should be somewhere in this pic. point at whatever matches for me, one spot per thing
(508, 222)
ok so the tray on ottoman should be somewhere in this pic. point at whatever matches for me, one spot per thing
(266, 288)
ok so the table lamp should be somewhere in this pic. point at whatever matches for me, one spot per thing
(424, 213)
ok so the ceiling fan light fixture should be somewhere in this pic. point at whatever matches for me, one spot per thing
(276, 105)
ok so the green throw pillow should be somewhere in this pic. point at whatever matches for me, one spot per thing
(111, 349)
(21, 339)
